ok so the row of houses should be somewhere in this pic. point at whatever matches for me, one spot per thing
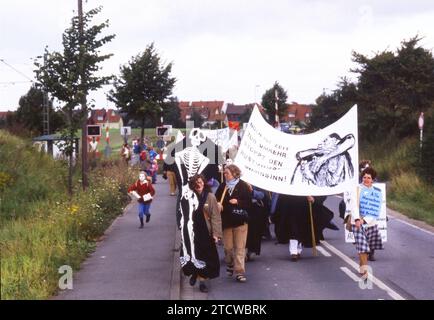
(214, 111)
(210, 111)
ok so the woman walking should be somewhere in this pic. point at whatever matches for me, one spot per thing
(235, 200)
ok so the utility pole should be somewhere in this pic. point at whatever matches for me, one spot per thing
(276, 105)
(84, 157)
(45, 109)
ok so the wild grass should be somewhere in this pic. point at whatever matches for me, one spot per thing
(396, 163)
(42, 228)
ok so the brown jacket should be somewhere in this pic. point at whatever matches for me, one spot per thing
(212, 216)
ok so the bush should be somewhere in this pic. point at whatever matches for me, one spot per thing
(49, 229)
(426, 168)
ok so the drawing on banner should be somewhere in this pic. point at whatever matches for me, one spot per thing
(327, 165)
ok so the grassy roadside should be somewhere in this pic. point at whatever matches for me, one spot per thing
(406, 192)
(43, 229)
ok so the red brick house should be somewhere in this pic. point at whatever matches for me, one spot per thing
(210, 111)
(234, 112)
(110, 118)
(296, 112)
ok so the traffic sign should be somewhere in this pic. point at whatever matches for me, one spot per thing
(94, 130)
(420, 121)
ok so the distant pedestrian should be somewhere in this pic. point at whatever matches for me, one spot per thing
(152, 153)
(169, 174)
(144, 192)
(126, 153)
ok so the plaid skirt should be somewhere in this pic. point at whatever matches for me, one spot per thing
(367, 238)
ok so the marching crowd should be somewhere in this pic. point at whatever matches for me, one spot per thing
(232, 211)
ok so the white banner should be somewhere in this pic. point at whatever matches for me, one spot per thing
(321, 163)
(222, 138)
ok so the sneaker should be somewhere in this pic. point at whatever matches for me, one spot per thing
(294, 257)
(148, 217)
(203, 287)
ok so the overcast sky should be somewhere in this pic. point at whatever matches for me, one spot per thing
(221, 50)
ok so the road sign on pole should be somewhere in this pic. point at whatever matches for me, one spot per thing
(420, 122)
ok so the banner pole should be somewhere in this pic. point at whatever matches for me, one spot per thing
(312, 229)
(224, 157)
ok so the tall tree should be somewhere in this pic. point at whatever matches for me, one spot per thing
(393, 88)
(71, 75)
(331, 107)
(143, 87)
(197, 118)
(269, 102)
(29, 112)
(172, 113)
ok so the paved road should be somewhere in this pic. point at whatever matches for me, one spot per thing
(405, 270)
(133, 263)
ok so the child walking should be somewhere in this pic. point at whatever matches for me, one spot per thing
(143, 191)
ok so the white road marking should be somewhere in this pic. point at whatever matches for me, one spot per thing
(323, 251)
(375, 280)
(411, 225)
(349, 273)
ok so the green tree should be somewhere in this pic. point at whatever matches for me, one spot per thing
(331, 107)
(197, 119)
(143, 87)
(393, 88)
(69, 76)
(172, 113)
(269, 102)
(29, 112)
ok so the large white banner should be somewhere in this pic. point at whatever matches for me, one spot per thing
(321, 163)
(222, 138)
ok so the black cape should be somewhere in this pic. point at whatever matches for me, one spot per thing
(292, 219)
(258, 216)
(205, 248)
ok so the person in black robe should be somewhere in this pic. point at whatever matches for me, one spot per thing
(293, 224)
(258, 217)
(207, 231)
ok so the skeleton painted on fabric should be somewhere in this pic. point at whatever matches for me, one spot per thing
(190, 162)
(327, 165)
